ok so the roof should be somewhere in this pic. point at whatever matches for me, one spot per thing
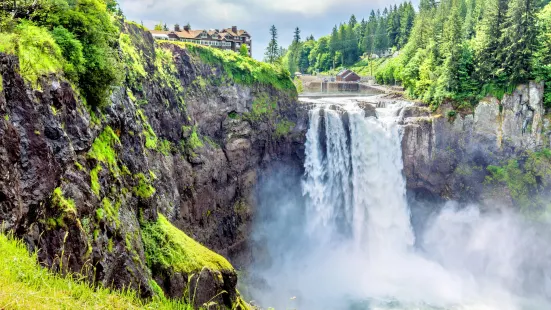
(344, 72)
(350, 74)
(189, 34)
(194, 34)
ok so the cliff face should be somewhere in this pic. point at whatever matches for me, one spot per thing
(446, 154)
(86, 187)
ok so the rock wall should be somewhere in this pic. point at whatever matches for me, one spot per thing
(80, 184)
(446, 153)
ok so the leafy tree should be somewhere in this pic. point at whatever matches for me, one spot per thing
(159, 27)
(244, 50)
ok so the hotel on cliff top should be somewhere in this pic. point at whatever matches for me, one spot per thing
(226, 39)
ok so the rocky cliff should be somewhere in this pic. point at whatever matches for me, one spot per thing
(446, 153)
(107, 192)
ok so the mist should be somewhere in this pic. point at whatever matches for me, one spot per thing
(325, 243)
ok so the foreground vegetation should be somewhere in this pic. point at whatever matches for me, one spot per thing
(26, 285)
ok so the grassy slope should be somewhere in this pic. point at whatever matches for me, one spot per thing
(26, 285)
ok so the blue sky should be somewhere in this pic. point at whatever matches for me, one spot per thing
(315, 17)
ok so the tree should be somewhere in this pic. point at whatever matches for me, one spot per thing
(159, 26)
(518, 40)
(296, 37)
(489, 39)
(272, 51)
(244, 50)
(165, 27)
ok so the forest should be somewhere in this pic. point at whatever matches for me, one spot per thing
(451, 50)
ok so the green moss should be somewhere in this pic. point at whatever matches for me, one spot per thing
(240, 69)
(110, 245)
(166, 71)
(66, 205)
(133, 62)
(263, 108)
(233, 115)
(144, 189)
(111, 213)
(526, 178)
(157, 290)
(1, 83)
(168, 247)
(283, 128)
(103, 149)
(149, 134)
(165, 147)
(194, 140)
(7, 117)
(79, 166)
(94, 180)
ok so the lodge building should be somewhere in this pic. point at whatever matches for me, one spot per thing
(226, 39)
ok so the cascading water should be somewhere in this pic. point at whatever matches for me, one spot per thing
(354, 178)
(350, 243)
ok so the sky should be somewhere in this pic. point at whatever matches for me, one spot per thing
(316, 17)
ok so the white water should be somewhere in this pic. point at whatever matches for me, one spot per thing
(354, 245)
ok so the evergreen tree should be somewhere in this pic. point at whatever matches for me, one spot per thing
(451, 51)
(407, 17)
(352, 22)
(296, 38)
(518, 40)
(488, 45)
(272, 51)
(165, 28)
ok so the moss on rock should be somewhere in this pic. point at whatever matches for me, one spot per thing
(170, 248)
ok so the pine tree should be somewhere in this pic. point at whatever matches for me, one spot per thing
(518, 40)
(488, 40)
(451, 50)
(272, 51)
(296, 38)
(165, 27)
(352, 22)
(406, 23)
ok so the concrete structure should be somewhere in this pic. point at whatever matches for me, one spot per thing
(226, 39)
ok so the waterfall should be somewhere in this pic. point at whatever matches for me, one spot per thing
(354, 180)
(341, 236)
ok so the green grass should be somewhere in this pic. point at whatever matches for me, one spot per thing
(170, 248)
(26, 285)
(37, 51)
(242, 70)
